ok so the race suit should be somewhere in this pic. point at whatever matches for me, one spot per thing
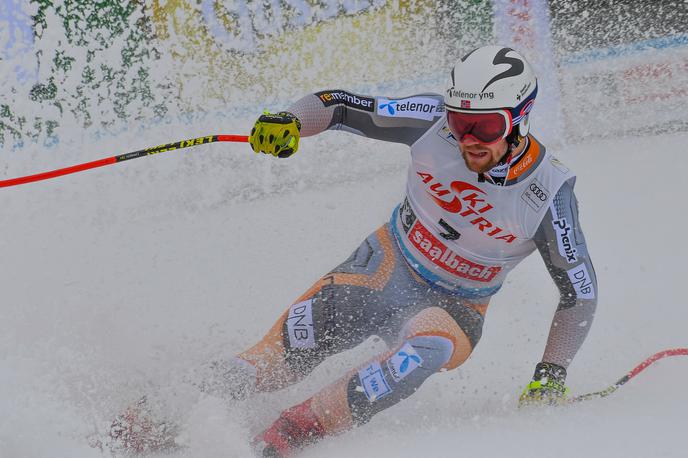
(423, 281)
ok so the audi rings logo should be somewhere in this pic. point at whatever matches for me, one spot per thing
(538, 192)
(535, 195)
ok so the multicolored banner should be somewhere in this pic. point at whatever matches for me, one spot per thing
(78, 64)
(641, 87)
(100, 66)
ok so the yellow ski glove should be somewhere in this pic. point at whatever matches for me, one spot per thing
(546, 388)
(276, 134)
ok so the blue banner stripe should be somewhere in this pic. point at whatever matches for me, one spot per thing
(675, 41)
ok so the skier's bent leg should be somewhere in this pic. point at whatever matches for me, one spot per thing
(263, 367)
(434, 339)
(332, 316)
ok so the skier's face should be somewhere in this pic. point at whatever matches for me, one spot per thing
(480, 157)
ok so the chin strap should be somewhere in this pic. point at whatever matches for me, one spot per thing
(513, 141)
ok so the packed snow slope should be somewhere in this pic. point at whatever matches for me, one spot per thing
(120, 281)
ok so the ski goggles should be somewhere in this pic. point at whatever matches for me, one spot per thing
(487, 127)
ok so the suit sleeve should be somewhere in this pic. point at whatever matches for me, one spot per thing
(561, 243)
(399, 120)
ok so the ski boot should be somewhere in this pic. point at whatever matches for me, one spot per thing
(295, 428)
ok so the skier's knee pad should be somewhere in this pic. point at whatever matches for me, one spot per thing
(396, 375)
(433, 353)
(438, 322)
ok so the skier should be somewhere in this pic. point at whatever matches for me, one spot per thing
(482, 194)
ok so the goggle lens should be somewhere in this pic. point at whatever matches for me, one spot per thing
(486, 127)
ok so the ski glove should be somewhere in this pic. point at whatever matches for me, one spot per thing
(547, 386)
(276, 134)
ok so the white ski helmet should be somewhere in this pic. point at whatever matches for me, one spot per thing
(494, 79)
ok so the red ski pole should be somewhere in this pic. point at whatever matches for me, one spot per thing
(123, 157)
(635, 371)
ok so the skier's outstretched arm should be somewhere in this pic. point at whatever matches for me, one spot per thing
(561, 243)
(399, 120)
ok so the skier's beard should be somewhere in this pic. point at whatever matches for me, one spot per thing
(480, 159)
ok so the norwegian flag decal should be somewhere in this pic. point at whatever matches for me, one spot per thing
(465, 104)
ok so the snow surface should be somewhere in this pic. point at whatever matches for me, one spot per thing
(118, 281)
(121, 281)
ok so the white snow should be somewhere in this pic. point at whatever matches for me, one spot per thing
(119, 281)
